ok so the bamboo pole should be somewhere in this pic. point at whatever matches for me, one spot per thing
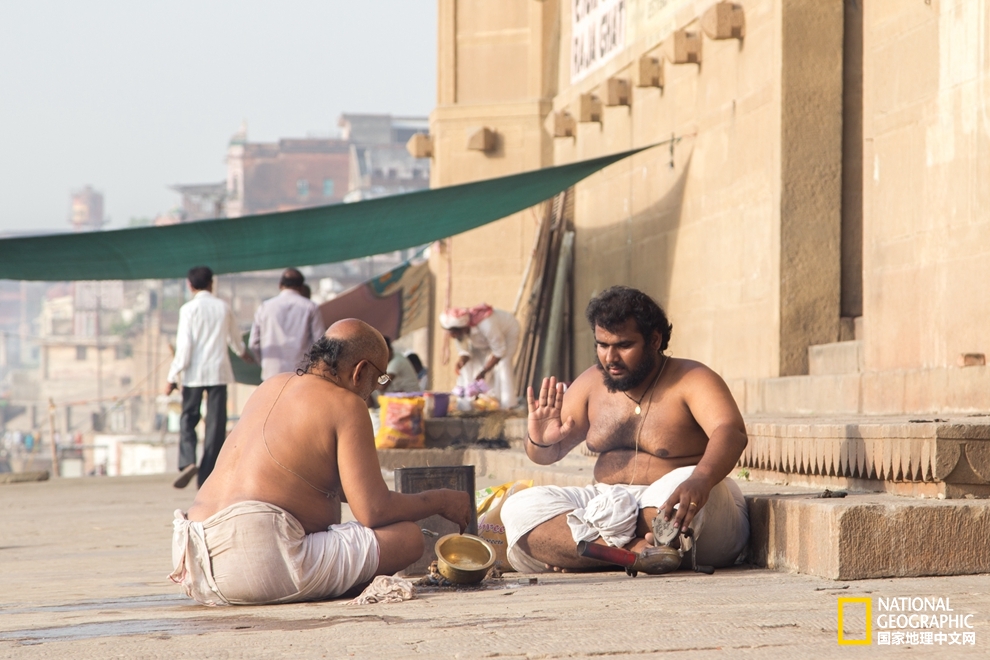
(51, 431)
(551, 361)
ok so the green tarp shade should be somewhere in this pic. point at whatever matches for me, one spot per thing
(325, 234)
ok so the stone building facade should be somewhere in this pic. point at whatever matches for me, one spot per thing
(817, 231)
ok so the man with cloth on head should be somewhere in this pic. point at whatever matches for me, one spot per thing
(667, 433)
(285, 327)
(266, 526)
(486, 340)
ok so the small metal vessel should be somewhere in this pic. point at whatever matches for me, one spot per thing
(463, 558)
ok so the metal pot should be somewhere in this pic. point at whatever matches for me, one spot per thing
(463, 558)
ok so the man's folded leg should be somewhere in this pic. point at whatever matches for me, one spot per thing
(721, 527)
(536, 506)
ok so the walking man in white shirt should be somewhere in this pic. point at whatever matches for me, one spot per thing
(206, 328)
(285, 327)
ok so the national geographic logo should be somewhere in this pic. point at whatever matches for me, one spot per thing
(868, 634)
(903, 620)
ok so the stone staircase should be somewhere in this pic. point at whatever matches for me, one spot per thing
(838, 383)
(833, 384)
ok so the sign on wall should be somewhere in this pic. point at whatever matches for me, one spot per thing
(602, 28)
(598, 32)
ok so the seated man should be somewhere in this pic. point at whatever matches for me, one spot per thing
(667, 432)
(265, 527)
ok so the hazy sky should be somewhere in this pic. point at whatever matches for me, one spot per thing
(132, 96)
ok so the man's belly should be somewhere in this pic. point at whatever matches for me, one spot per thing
(626, 466)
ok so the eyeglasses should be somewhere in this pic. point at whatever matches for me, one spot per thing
(384, 379)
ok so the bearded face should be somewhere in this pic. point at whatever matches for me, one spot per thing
(631, 377)
(624, 357)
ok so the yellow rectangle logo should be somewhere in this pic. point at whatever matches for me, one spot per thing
(868, 602)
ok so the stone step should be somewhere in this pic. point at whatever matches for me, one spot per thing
(805, 395)
(895, 392)
(868, 536)
(841, 357)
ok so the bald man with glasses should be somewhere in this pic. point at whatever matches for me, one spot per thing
(265, 527)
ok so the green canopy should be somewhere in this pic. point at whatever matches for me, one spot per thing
(324, 234)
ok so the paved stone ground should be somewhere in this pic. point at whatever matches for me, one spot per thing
(83, 565)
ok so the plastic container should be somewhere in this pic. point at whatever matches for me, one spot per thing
(441, 404)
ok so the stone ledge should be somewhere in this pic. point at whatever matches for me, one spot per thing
(21, 477)
(844, 357)
(869, 536)
(894, 392)
(926, 456)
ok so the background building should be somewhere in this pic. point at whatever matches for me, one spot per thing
(368, 160)
(86, 210)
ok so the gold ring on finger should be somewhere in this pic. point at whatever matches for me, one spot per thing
(693, 505)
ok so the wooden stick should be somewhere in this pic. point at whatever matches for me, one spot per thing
(51, 430)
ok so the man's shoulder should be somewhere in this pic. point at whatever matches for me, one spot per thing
(290, 298)
(310, 390)
(588, 382)
(200, 301)
(696, 378)
(691, 370)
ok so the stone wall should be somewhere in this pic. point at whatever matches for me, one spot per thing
(828, 164)
(926, 167)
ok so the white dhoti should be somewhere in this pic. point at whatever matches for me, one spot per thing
(721, 526)
(255, 553)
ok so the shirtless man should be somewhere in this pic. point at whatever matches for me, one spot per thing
(265, 527)
(667, 432)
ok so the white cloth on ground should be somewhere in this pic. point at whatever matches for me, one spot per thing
(385, 589)
(285, 328)
(255, 553)
(206, 328)
(721, 526)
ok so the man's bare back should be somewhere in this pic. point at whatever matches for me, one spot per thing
(298, 416)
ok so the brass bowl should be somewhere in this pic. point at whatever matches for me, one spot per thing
(463, 558)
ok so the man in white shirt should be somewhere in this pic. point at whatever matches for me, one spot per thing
(401, 371)
(285, 327)
(206, 328)
(487, 340)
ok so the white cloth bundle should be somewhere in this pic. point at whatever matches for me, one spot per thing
(611, 514)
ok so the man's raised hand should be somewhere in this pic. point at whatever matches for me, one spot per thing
(545, 427)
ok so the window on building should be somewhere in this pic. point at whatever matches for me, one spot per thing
(328, 187)
(80, 352)
(122, 351)
(302, 188)
(235, 188)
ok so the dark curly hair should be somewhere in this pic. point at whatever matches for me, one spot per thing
(613, 306)
(325, 351)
